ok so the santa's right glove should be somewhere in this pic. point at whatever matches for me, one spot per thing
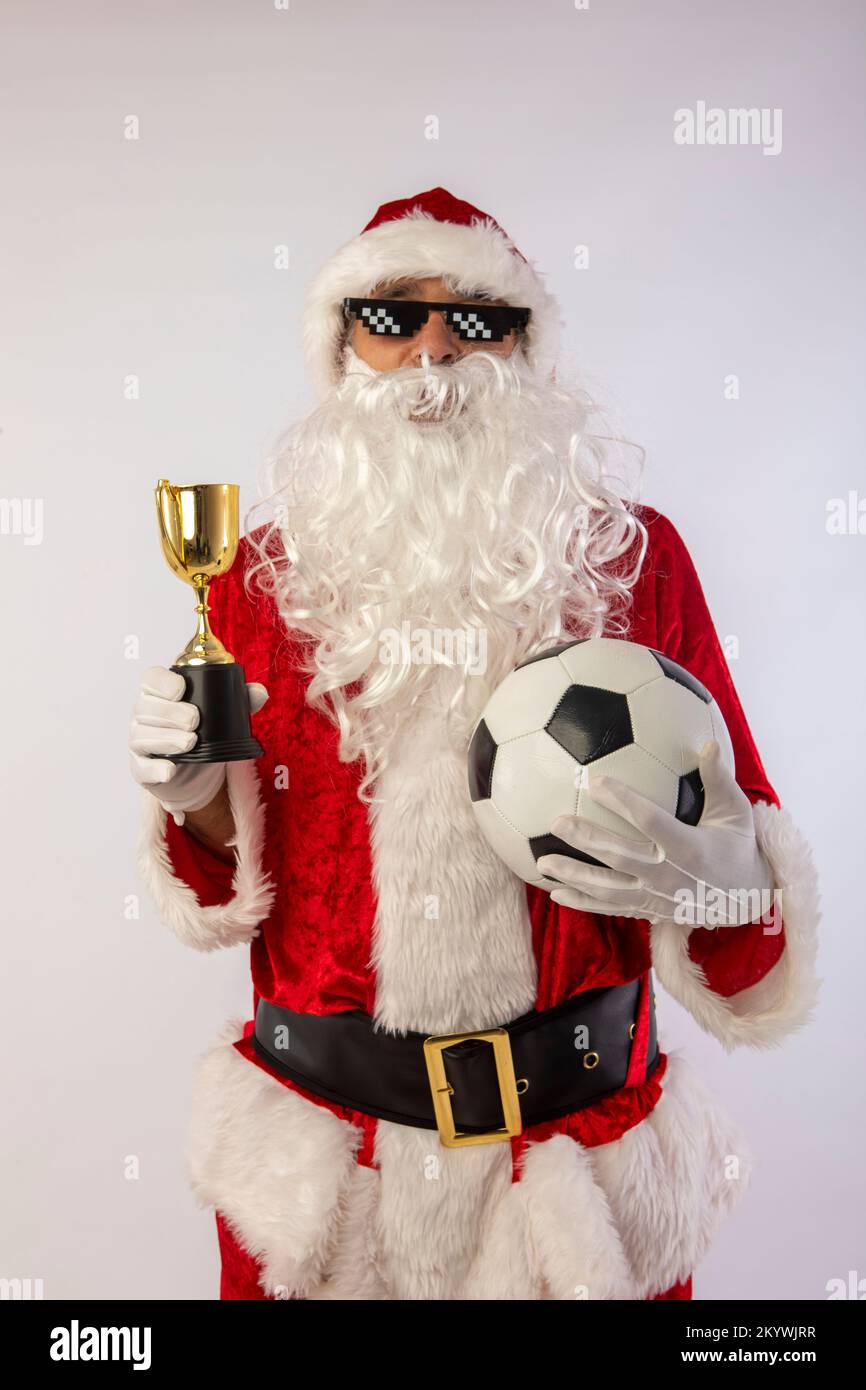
(164, 723)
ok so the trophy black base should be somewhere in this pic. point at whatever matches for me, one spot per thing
(219, 692)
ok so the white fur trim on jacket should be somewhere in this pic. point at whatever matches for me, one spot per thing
(625, 1220)
(671, 1181)
(479, 257)
(784, 1000)
(229, 924)
(452, 938)
(277, 1166)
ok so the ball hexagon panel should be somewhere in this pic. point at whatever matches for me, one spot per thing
(525, 700)
(666, 718)
(531, 775)
(640, 770)
(609, 663)
(550, 651)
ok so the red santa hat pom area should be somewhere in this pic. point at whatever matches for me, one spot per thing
(432, 234)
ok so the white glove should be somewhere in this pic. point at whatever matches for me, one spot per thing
(710, 874)
(163, 723)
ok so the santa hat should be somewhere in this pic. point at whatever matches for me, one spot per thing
(432, 234)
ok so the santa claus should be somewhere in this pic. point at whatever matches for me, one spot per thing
(447, 482)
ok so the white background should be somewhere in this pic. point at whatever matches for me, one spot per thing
(155, 257)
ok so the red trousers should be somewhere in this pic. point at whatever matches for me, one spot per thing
(240, 1271)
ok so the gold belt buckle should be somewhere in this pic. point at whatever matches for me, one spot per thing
(442, 1091)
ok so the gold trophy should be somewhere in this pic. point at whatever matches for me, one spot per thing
(198, 526)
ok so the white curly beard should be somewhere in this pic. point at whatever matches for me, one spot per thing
(463, 508)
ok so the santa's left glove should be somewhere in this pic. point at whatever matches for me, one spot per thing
(164, 723)
(710, 874)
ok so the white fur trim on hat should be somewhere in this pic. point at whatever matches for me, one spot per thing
(476, 257)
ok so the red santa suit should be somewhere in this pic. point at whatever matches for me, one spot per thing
(315, 1200)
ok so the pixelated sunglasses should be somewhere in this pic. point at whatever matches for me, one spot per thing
(403, 318)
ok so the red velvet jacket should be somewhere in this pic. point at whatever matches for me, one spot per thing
(314, 948)
(313, 956)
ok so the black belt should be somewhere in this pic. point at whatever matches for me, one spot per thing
(476, 1087)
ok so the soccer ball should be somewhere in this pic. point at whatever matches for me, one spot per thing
(597, 704)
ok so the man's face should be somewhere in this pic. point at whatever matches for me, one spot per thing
(442, 344)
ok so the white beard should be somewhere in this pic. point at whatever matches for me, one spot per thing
(441, 516)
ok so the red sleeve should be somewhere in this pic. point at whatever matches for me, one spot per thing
(732, 958)
(209, 876)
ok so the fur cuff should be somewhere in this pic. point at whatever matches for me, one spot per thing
(224, 924)
(784, 1000)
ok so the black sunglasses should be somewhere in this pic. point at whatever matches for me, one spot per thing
(402, 318)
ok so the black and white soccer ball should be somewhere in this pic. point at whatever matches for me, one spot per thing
(594, 704)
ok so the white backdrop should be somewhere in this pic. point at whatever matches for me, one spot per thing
(153, 258)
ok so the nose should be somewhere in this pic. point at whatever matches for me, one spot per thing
(436, 340)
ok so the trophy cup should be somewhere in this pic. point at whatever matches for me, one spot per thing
(198, 526)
